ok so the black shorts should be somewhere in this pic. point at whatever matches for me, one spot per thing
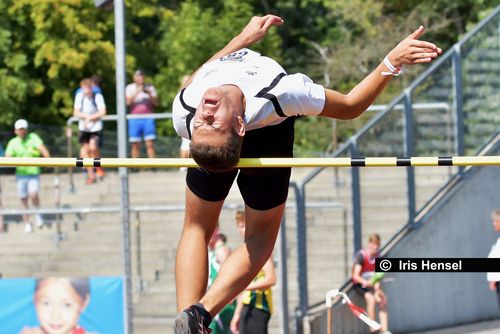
(253, 320)
(362, 290)
(84, 137)
(261, 188)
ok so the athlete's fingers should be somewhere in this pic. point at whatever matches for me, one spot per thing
(271, 20)
(423, 44)
(422, 60)
(417, 33)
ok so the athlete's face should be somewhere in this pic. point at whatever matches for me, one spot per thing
(241, 228)
(373, 248)
(22, 132)
(58, 306)
(219, 112)
(240, 224)
(87, 90)
(496, 223)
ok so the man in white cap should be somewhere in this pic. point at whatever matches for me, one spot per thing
(27, 145)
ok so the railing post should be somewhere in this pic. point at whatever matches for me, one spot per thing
(69, 149)
(408, 152)
(458, 101)
(138, 237)
(283, 277)
(302, 254)
(356, 198)
(119, 11)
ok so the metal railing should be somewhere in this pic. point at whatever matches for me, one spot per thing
(108, 118)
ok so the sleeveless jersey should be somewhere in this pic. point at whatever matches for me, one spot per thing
(259, 299)
(271, 95)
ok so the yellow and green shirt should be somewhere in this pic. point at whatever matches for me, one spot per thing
(27, 147)
(259, 299)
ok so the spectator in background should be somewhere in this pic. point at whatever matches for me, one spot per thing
(184, 151)
(90, 108)
(218, 252)
(255, 304)
(494, 278)
(141, 99)
(27, 145)
(363, 274)
(95, 82)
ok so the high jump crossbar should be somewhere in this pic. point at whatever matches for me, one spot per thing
(256, 162)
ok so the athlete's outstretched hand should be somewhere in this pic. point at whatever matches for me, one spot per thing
(411, 50)
(257, 28)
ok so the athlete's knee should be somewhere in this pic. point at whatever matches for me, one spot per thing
(369, 298)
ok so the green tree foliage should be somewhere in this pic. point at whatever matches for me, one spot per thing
(49, 46)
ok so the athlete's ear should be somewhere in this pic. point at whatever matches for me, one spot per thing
(240, 127)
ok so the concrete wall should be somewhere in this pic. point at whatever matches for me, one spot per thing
(458, 226)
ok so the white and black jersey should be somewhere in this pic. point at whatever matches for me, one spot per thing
(271, 94)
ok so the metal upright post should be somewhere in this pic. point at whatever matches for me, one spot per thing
(302, 255)
(408, 152)
(119, 8)
(458, 100)
(356, 199)
(283, 277)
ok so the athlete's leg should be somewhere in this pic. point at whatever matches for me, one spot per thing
(191, 266)
(150, 136)
(150, 148)
(382, 314)
(241, 267)
(85, 153)
(135, 149)
(370, 305)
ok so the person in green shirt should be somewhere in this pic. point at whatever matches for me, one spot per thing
(218, 252)
(27, 145)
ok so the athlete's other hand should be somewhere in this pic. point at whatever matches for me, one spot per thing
(257, 28)
(411, 50)
(234, 325)
(492, 285)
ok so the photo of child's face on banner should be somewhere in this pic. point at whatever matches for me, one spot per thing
(61, 305)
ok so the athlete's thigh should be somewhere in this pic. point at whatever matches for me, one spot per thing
(201, 216)
(263, 224)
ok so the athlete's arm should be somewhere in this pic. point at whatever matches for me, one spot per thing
(269, 279)
(253, 32)
(222, 253)
(356, 275)
(235, 321)
(44, 151)
(409, 51)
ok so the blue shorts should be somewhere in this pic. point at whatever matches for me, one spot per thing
(27, 184)
(141, 127)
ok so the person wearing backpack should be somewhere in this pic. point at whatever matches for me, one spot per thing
(90, 108)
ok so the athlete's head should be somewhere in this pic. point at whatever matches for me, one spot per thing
(218, 128)
(373, 244)
(86, 85)
(240, 222)
(495, 219)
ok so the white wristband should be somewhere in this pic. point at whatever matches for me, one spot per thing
(394, 71)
